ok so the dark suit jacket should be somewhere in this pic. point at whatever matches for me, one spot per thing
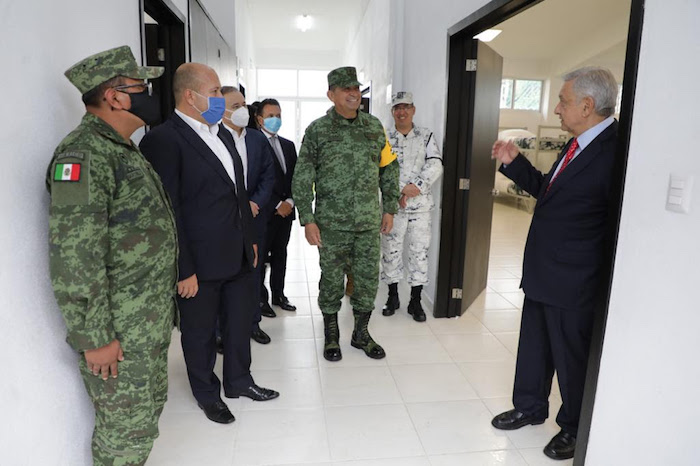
(261, 172)
(565, 247)
(215, 237)
(282, 189)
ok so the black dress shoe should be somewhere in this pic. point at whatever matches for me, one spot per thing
(260, 336)
(514, 419)
(255, 393)
(219, 345)
(266, 310)
(561, 447)
(218, 412)
(284, 303)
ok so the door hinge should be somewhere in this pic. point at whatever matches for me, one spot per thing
(464, 184)
(471, 64)
(456, 293)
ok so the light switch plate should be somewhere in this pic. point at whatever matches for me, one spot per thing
(680, 189)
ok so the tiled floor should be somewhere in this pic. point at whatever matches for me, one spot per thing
(428, 403)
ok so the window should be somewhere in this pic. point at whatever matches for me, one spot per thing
(521, 94)
(301, 94)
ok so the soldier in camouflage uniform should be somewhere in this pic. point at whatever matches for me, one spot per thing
(113, 255)
(420, 165)
(345, 159)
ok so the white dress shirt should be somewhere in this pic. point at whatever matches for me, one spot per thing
(242, 150)
(277, 149)
(209, 134)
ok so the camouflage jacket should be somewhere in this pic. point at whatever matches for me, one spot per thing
(347, 162)
(420, 163)
(112, 241)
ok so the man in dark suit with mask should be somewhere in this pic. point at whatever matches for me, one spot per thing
(564, 256)
(280, 207)
(204, 177)
(256, 155)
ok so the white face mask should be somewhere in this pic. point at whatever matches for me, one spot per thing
(240, 117)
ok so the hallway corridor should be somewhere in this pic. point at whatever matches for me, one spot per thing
(428, 403)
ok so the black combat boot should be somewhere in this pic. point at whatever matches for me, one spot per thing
(361, 338)
(392, 302)
(414, 306)
(331, 347)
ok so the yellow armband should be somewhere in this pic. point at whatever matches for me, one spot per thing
(388, 154)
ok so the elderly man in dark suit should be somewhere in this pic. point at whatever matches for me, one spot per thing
(204, 176)
(564, 256)
(257, 157)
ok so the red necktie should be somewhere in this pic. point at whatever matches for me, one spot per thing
(567, 158)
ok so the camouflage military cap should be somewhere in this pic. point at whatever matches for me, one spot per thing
(402, 97)
(343, 77)
(96, 69)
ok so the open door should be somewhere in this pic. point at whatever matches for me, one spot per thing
(474, 88)
(164, 45)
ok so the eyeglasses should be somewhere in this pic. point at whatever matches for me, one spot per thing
(142, 87)
(402, 107)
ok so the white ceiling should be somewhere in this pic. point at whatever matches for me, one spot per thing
(274, 24)
(548, 31)
(555, 28)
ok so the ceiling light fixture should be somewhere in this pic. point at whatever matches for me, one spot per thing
(488, 35)
(304, 22)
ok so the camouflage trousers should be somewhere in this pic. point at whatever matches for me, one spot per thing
(413, 229)
(127, 408)
(354, 253)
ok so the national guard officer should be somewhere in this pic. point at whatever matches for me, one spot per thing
(345, 155)
(420, 165)
(113, 255)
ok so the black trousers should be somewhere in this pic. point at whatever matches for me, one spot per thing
(278, 232)
(552, 339)
(231, 301)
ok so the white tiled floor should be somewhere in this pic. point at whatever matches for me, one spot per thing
(429, 403)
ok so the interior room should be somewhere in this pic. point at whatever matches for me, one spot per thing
(431, 400)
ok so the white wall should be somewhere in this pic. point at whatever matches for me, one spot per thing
(420, 37)
(645, 410)
(46, 415)
(370, 50)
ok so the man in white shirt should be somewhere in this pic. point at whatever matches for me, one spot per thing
(259, 173)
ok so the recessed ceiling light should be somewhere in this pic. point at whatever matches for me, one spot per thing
(488, 35)
(304, 22)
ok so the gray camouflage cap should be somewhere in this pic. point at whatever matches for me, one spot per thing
(343, 77)
(96, 69)
(402, 97)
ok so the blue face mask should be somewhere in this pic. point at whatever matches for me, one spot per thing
(272, 124)
(215, 112)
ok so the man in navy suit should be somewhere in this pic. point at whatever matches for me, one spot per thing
(280, 206)
(564, 256)
(256, 155)
(203, 174)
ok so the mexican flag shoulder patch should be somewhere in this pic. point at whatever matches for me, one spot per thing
(67, 172)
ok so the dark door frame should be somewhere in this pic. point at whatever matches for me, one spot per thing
(171, 34)
(488, 16)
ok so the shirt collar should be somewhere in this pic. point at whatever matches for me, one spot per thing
(234, 133)
(198, 126)
(591, 133)
(410, 134)
(106, 129)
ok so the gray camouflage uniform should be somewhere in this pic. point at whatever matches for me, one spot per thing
(420, 163)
